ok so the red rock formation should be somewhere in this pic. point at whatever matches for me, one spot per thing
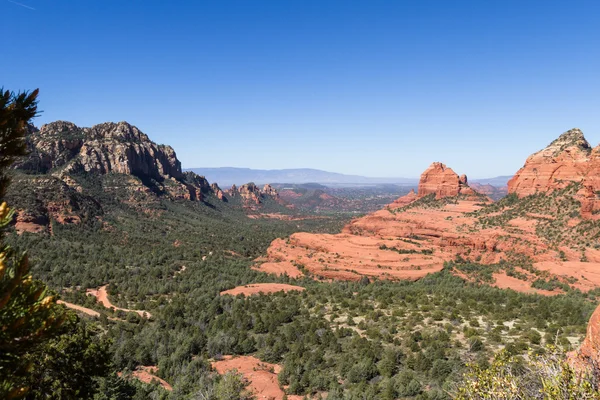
(567, 159)
(250, 193)
(269, 190)
(26, 222)
(589, 353)
(217, 191)
(442, 181)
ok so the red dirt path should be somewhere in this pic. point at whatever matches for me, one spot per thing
(263, 382)
(85, 310)
(265, 288)
(147, 374)
(102, 295)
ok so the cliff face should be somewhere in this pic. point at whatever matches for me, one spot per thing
(443, 182)
(570, 158)
(109, 147)
(62, 148)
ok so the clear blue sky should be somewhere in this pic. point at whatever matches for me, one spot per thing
(376, 88)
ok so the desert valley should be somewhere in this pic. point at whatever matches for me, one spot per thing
(202, 289)
(299, 200)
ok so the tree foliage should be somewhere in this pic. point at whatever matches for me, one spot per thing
(40, 354)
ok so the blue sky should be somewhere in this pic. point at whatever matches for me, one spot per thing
(375, 88)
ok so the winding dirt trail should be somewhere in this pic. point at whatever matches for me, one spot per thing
(148, 374)
(85, 310)
(101, 295)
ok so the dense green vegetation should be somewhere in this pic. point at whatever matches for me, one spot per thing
(379, 339)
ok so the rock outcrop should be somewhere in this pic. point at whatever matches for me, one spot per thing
(570, 158)
(589, 352)
(252, 194)
(442, 181)
(402, 241)
(217, 191)
(270, 191)
(62, 148)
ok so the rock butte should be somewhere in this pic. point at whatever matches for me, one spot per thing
(265, 288)
(443, 182)
(252, 194)
(262, 376)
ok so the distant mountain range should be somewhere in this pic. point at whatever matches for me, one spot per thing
(227, 176)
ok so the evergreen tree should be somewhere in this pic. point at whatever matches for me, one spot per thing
(29, 315)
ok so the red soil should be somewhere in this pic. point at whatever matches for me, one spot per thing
(504, 281)
(102, 295)
(264, 288)
(262, 377)
(586, 273)
(147, 375)
(84, 310)
(279, 268)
